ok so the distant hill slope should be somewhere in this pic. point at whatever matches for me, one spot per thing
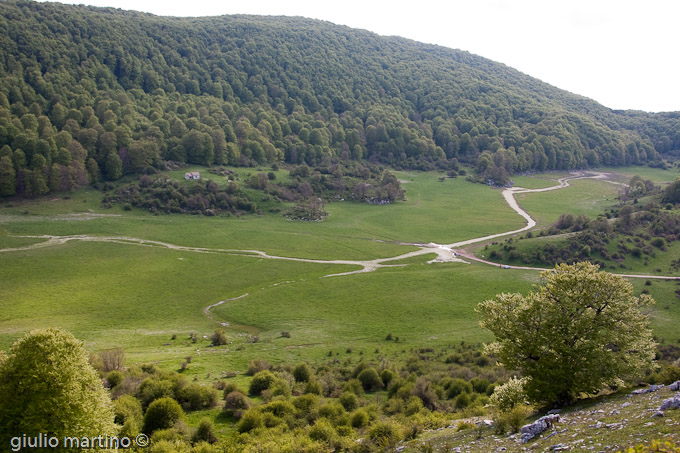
(87, 93)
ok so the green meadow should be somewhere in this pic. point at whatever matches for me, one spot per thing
(148, 298)
(588, 197)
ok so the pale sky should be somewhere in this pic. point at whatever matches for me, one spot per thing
(622, 53)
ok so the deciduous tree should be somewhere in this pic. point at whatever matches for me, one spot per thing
(580, 331)
(48, 386)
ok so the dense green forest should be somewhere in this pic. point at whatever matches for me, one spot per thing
(88, 94)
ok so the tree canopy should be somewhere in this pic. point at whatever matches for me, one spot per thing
(101, 92)
(47, 386)
(580, 331)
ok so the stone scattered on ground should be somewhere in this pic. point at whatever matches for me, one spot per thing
(650, 389)
(670, 403)
(534, 429)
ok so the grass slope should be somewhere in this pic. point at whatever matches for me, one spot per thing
(137, 297)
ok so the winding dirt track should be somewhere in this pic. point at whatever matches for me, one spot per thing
(445, 252)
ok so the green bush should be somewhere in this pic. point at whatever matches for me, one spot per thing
(385, 434)
(386, 376)
(301, 373)
(456, 387)
(462, 401)
(354, 386)
(322, 431)
(349, 401)
(508, 395)
(127, 408)
(235, 403)
(195, 396)
(229, 387)
(359, 418)
(331, 409)
(280, 408)
(306, 403)
(279, 387)
(370, 380)
(413, 406)
(479, 385)
(251, 419)
(163, 413)
(257, 365)
(513, 419)
(219, 338)
(314, 387)
(153, 388)
(114, 378)
(261, 382)
(205, 431)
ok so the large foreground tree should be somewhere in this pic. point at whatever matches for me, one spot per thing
(47, 386)
(579, 332)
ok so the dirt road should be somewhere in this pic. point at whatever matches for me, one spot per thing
(446, 253)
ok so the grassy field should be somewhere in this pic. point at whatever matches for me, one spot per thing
(583, 197)
(137, 297)
(656, 175)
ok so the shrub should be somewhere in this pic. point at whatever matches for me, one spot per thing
(385, 434)
(359, 419)
(462, 426)
(658, 242)
(331, 409)
(301, 373)
(479, 385)
(370, 380)
(314, 387)
(354, 386)
(413, 406)
(517, 416)
(163, 413)
(349, 401)
(235, 403)
(228, 387)
(456, 387)
(153, 388)
(305, 404)
(386, 376)
(261, 381)
(257, 365)
(204, 447)
(462, 401)
(251, 420)
(112, 359)
(322, 431)
(424, 392)
(280, 408)
(195, 396)
(508, 395)
(114, 378)
(359, 368)
(128, 413)
(279, 387)
(218, 338)
(205, 431)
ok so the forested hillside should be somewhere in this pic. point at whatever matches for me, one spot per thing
(89, 94)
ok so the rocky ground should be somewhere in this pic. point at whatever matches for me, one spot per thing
(606, 424)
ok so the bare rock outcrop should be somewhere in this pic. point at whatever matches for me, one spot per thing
(534, 429)
(670, 403)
